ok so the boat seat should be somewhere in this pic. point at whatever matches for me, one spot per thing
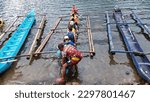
(8, 51)
(14, 45)
(22, 29)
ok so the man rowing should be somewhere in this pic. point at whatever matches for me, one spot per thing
(73, 57)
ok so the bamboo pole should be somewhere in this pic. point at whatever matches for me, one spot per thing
(37, 37)
(1, 36)
(109, 33)
(89, 37)
(45, 52)
(124, 23)
(41, 27)
(9, 61)
(87, 23)
(40, 48)
(140, 23)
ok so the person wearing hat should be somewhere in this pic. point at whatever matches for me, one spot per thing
(67, 41)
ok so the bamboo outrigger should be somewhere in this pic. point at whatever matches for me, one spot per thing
(140, 23)
(140, 60)
(37, 37)
(40, 48)
(90, 37)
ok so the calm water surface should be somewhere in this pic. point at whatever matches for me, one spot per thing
(103, 68)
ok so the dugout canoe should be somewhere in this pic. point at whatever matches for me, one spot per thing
(141, 62)
(15, 42)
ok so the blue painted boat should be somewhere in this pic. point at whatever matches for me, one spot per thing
(141, 62)
(15, 42)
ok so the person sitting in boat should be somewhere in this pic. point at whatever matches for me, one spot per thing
(71, 23)
(74, 57)
(72, 16)
(74, 9)
(71, 35)
(76, 19)
(67, 41)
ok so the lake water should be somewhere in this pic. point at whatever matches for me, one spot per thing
(103, 68)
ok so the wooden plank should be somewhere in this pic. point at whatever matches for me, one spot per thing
(40, 48)
(38, 34)
(37, 37)
(2, 35)
(41, 27)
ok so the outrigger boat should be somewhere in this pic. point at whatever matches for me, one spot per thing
(71, 71)
(74, 18)
(15, 42)
(141, 62)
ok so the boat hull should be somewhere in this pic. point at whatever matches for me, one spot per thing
(141, 62)
(15, 42)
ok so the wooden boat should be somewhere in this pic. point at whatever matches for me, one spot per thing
(141, 62)
(75, 22)
(14, 43)
(71, 71)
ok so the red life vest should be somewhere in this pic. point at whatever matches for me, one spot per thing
(73, 53)
(74, 9)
